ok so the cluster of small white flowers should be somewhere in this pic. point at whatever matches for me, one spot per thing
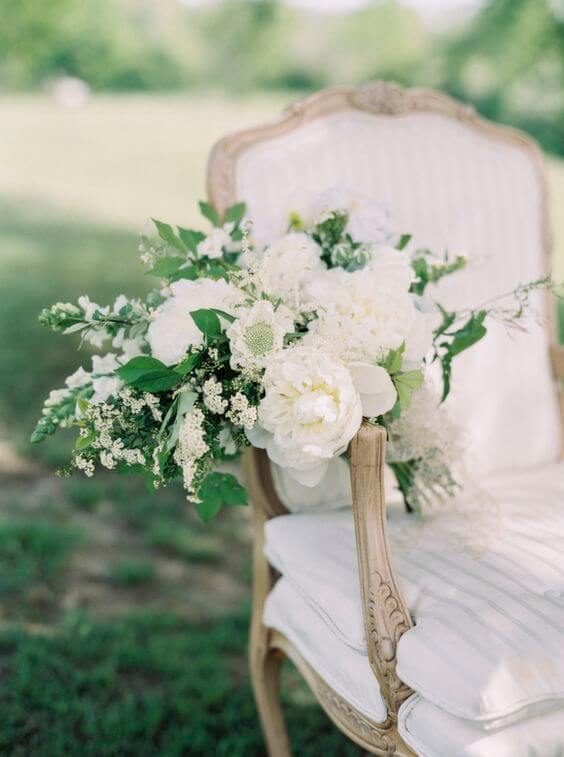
(191, 446)
(136, 404)
(241, 412)
(212, 396)
(112, 450)
(85, 465)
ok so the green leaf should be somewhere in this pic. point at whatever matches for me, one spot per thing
(186, 402)
(403, 241)
(190, 272)
(166, 267)
(148, 374)
(208, 508)
(394, 360)
(470, 333)
(82, 442)
(208, 322)
(406, 384)
(229, 318)
(166, 233)
(210, 213)
(235, 213)
(188, 364)
(231, 490)
(191, 238)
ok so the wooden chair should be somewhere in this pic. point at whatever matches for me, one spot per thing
(251, 166)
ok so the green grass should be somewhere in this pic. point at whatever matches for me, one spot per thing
(146, 685)
(132, 572)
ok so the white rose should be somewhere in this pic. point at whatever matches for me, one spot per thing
(368, 221)
(375, 387)
(361, 314)
(172, 329)
(309, 413)
(257, 333)
(285, 268)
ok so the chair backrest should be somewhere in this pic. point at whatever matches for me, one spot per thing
(456, 182)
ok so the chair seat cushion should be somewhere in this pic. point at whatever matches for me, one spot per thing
(430, 731)
(489, 635)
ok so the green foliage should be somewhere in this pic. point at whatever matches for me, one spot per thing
(148, 374)
(146, 685)
(449, 343)
(219, 489)
(406, 384)
(132, 572)
(208, 322)
(427, 272)
(32, 551)
(184, 541)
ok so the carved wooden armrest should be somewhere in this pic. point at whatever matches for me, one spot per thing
(557, 355)
(386, 616)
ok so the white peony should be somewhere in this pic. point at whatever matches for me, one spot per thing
(257, 333)
(375, 387)
(309, 413)
(172, 329)
(361, 314)
(391, 265)
(368, 221)
(285, 268)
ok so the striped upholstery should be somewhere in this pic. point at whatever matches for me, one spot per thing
(453, 188)
(429, 730)
(486, 592)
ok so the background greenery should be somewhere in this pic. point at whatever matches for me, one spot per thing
(122, 617)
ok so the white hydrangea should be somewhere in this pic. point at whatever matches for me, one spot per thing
(258, 333)
(172, 329)
(361, 314)
(309, 413)
(284, 269)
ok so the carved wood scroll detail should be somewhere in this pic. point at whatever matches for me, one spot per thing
(386, 616)
(379, 737)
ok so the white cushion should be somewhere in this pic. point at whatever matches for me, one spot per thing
(430, 731)
(346, 671)
(489, 636)
(453, 188)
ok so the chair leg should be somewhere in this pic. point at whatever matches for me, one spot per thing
(265, 675)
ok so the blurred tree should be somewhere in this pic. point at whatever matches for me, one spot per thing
(510, 62)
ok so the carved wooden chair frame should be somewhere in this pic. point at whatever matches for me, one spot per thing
(386, 616)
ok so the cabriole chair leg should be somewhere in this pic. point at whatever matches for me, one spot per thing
(265, 676)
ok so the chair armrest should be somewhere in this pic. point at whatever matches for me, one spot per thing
(557, 355)
(386, 616)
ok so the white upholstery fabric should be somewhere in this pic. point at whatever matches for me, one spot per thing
(430, 731)
(345, 670)
(489, 637)
(454, 188)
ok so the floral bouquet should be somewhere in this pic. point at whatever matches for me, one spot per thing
(286, 347)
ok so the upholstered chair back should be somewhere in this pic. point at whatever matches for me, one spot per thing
(455, 182)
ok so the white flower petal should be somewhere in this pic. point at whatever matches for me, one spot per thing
(375, 387)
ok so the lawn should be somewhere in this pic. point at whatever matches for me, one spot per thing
(122, 617)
